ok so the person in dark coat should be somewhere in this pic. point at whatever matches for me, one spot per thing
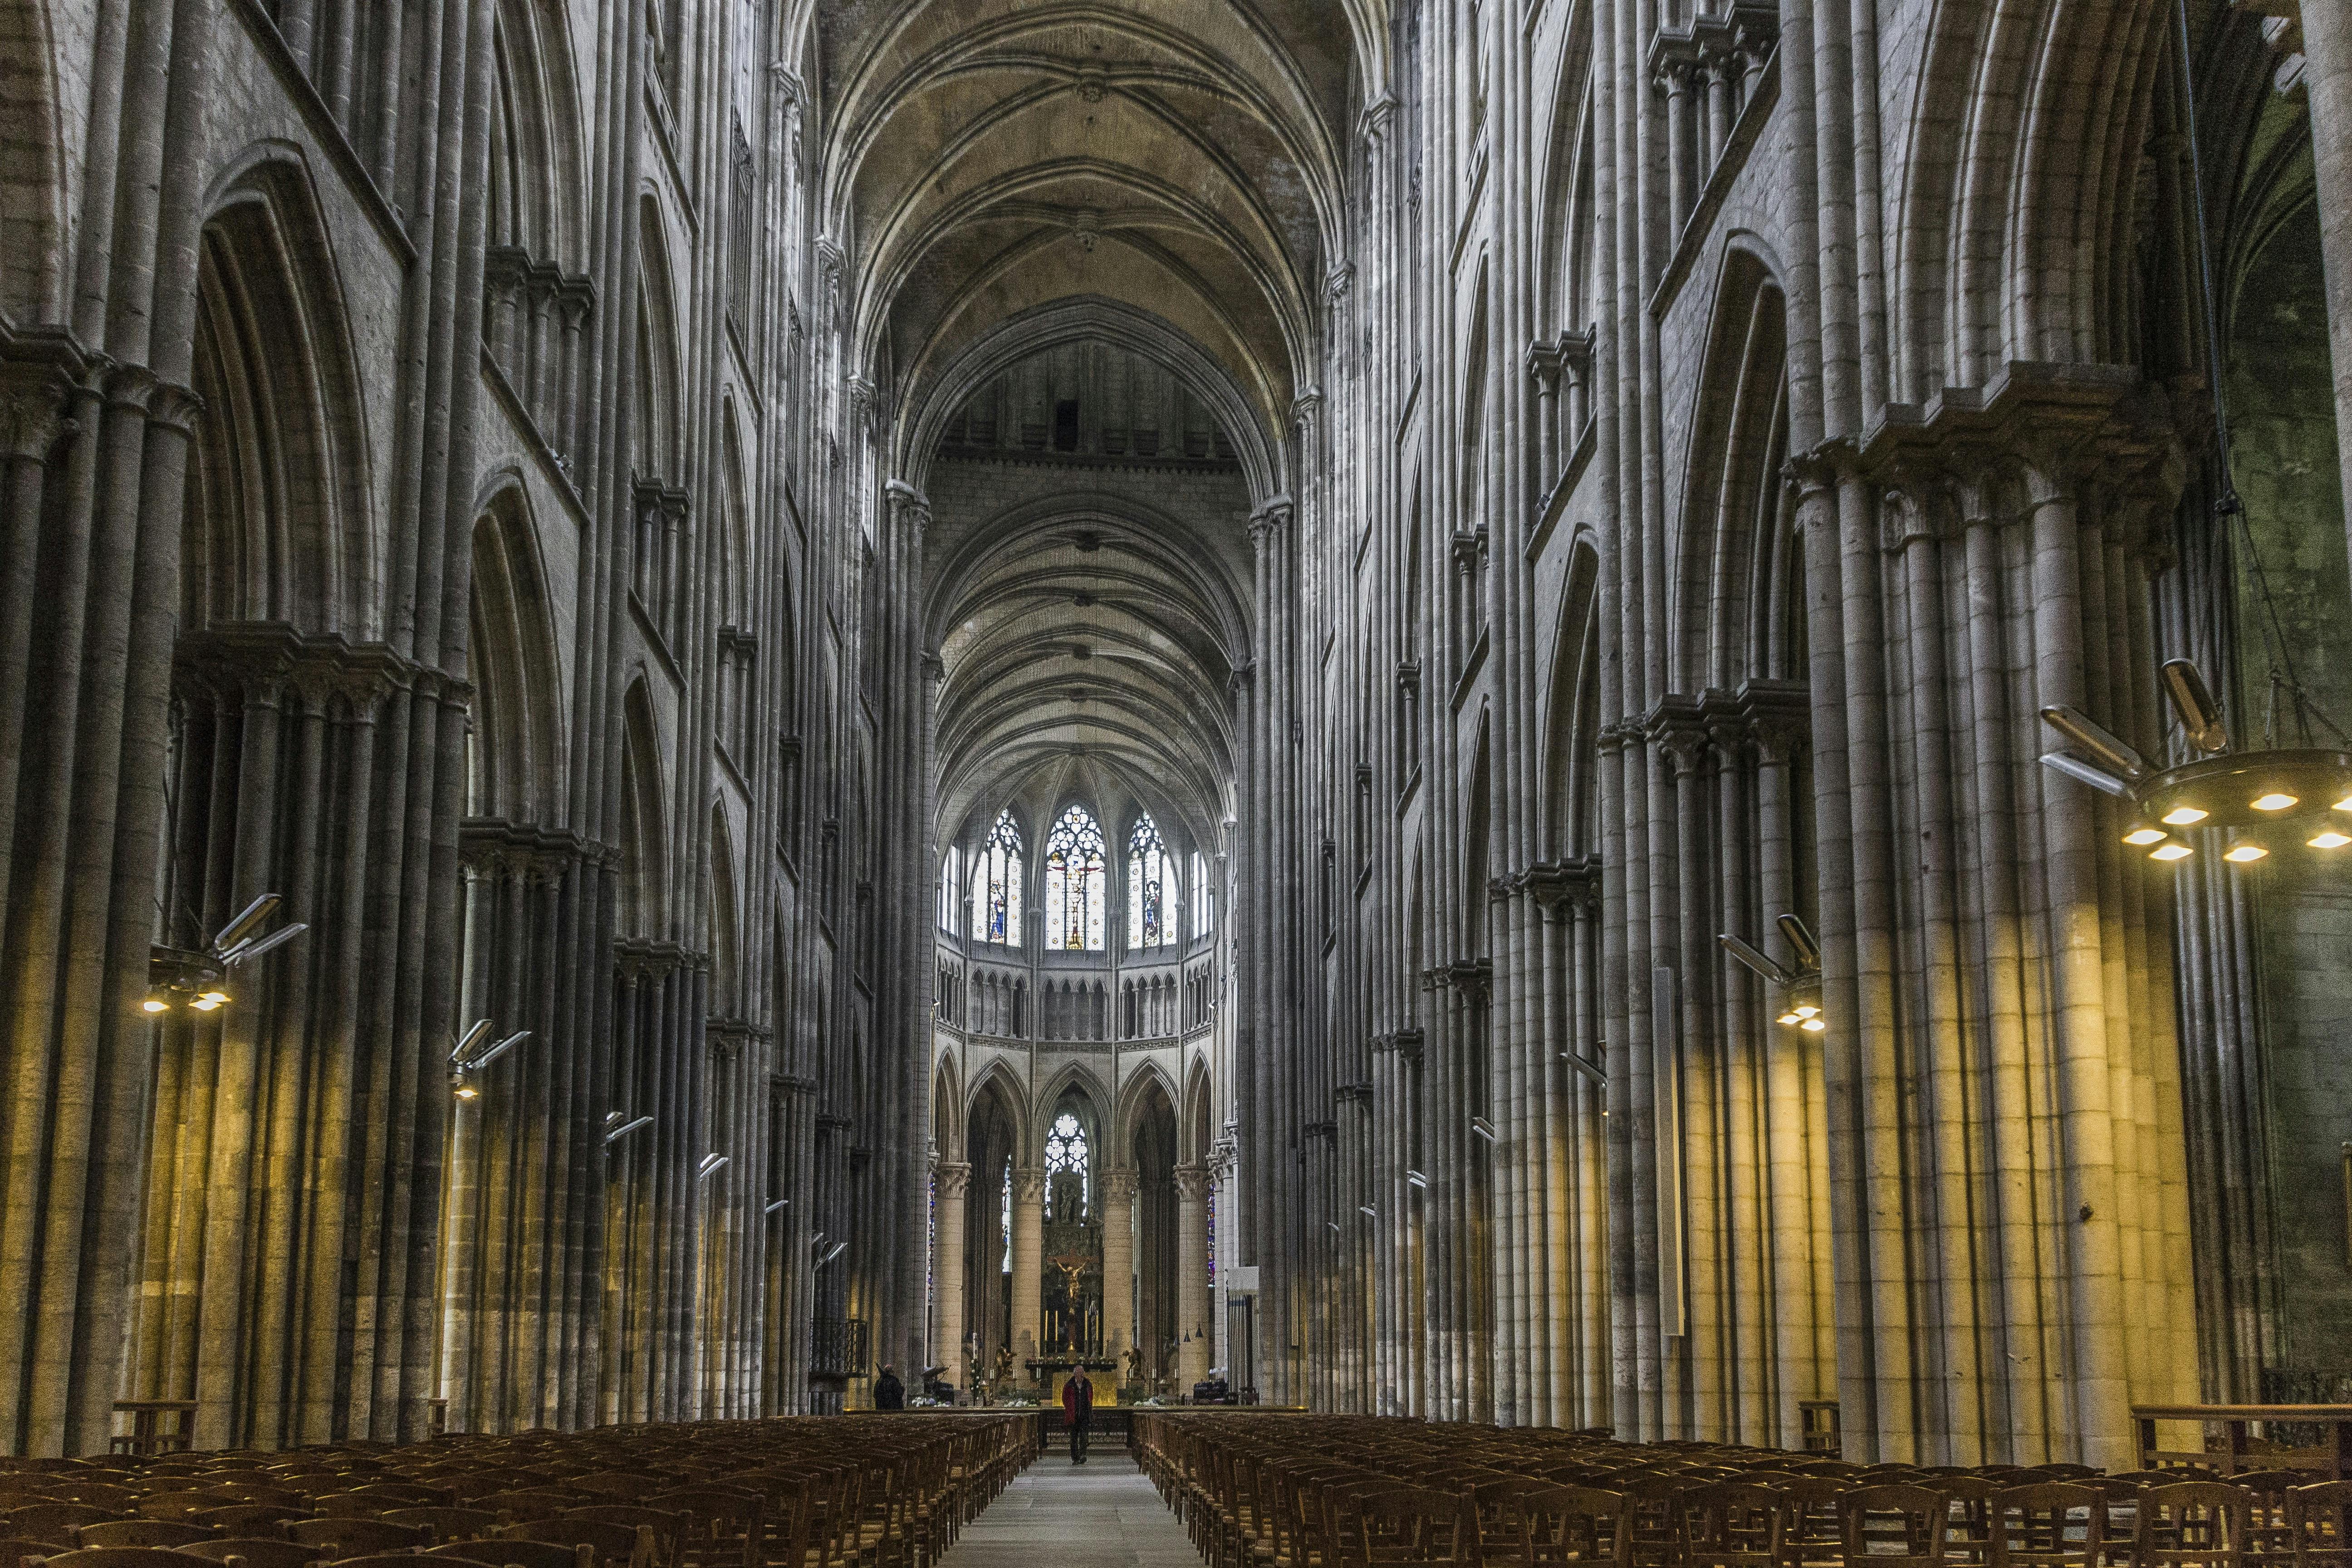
(1078, 1413)
(890, 1393)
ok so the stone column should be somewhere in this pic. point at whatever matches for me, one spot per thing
(1028, 1267)
(1119, 1265)
(2327, 82)
(1192, 1275)
(952, 1181)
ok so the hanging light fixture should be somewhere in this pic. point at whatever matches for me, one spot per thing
(1801, 987)
(468, 1059)
(2262, 801)
(196, 978)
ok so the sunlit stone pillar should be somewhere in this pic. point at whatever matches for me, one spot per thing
(954, 1179)
(1193, 1312)
(1028, 1265)
(1119, 1266)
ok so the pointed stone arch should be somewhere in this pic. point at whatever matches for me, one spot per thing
(1571, 800)
(278, 524)
(515, 756)
(1736, 552)
(1147, 1078)
(643, 833)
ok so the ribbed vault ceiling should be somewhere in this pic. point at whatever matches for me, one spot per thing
(1093, 631)
(1164, 175)
(1180, 156)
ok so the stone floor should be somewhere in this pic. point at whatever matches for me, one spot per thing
(1103, 1514)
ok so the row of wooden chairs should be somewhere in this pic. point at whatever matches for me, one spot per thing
(1289, 1491)
(872, 1492)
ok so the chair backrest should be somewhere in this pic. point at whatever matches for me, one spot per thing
(14, 1550)
(1728, 1521)
(141, 1532)
(2192, 1521)
(1894, 1525)
(340, 1538)
(664, 1525)
(612, 1545)
(514, 1551)
(448, 1523)
(533, 1502)
(2036, 1524)
(129, 1557)
(246, 1517)
(1563, 1524)
(408, 1560)
(2319, 1520)
(52, 1520)
(622, 1485)
(1400, 1525)
(253, 1551)
(97, 1493)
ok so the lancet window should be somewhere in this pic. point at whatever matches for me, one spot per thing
(1065, 1150)
(1073, 883)
(996, 885)
(1151, 888)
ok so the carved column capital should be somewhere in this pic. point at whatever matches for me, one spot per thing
(1194, 1183)
(954, 1178)
(33, 405)
(1029, 1186)
(1118, 1184)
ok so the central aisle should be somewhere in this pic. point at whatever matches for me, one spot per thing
(1102, 1514)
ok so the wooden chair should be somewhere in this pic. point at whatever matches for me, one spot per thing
(129, 1557)
(2191, 1524)
(533, 1502)
(253, 1551)
(722, 1526)
(618, 1486)
(1559, 1525)
(1911, 1520)
(409, 1560)
(14, 1550)
(1400, 1525)
(448, 1523)
(2032, 1526)
(52, 1520)
(246, 1517)
(611, 1545)
(2320, 1520)
(1968, 1528)
(1732, 1524)
(339, 1538)
(665, 1526)
(141, 1532)
(68, 1487)
(512, 1552)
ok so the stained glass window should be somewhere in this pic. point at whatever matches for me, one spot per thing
(1204, 905)
(1073, 883)
(951, 888)
(1066, 1150)
(996, 885)
(1151, 891)
(1005, 1220)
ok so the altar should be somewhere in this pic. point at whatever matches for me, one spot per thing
(1052, 1370)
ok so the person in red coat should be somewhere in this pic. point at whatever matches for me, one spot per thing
(1078, 1413)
